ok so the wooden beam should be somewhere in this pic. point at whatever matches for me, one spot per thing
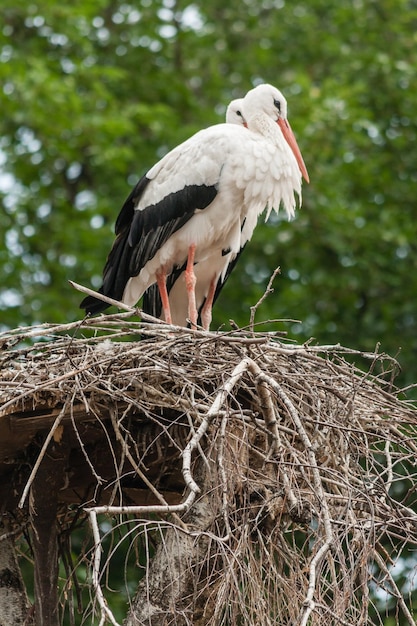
(43, 516)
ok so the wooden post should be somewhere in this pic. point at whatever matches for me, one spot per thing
(43, 514)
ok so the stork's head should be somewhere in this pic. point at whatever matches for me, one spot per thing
(234, 113)
(267, 100)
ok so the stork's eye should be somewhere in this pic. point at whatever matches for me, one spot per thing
(277, 104)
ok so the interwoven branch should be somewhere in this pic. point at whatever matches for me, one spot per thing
(278, 469)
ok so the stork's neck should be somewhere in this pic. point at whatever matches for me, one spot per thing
(264, 125)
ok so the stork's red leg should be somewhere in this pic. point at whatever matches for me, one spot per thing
(208, 305)
(190, 281)
(161, 279)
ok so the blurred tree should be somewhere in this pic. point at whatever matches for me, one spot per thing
(94, 92)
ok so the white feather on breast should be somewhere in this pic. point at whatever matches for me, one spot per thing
(251, 175)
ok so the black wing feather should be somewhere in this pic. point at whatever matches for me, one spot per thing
(154, 225)
(140, 234)
(127, 212)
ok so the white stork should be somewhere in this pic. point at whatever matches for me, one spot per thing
(176, 287)
(193, 211)
(234, 113)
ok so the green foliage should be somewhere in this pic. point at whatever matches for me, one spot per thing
(95, 91)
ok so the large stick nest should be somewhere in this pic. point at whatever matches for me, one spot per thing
(306, 460)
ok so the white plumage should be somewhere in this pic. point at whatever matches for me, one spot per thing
(234, 113)
(199, 206)
(214, 265)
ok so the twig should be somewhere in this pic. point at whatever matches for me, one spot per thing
(42, 453)
(275, 446)
(105, 612)
(268, 290)
(319, 491)
(223, 477)
(137, 469)
(46, 384)
(390, 475)
(212, 412)
(397, 592)
(103, 298)
(98, 478)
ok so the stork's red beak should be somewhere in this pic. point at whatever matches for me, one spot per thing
(292, 142)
